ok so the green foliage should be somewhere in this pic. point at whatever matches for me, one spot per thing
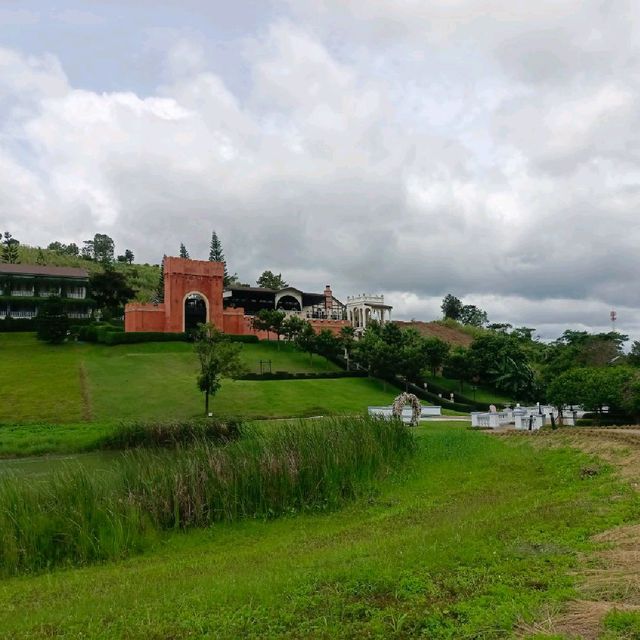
(292, 326)
(270, 280)
(75, 517)
(110, 291)
(271, 321)
(10, 253)
(472, 315)
(306, 340)
(596, 387)
(52, 322)
(582, 349)
(451, 307)
(218, 357)
(326, 344)
(183, 251)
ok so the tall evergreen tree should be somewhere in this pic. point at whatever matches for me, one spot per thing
(10, 249)
(216, 254)
(159, 297)
(183, 251)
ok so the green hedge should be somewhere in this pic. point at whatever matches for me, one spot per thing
(120, 337)
(245, 339)
(18, 324)
(286, 375)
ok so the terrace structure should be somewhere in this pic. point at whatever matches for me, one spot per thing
(23, 288)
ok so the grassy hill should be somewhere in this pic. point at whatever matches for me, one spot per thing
(94, 383)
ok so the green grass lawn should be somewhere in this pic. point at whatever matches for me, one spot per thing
(473, 536)
(77, 383)
(482, 394)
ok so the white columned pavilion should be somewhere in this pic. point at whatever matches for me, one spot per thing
(363, 308)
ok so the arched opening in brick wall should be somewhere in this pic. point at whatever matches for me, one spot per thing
(196, 310)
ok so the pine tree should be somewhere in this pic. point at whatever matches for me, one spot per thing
(10, 249)
(183, 251)
(216, 254)
(159, 297)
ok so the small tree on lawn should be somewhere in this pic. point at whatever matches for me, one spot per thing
(347, 338)
(218, 357)
(436, 352)
(291, 327)
(52, 322)
(306, 340)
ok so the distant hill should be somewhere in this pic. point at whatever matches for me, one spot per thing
(455, 334)
(143, 278)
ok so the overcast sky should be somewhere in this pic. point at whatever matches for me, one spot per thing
(487, 148)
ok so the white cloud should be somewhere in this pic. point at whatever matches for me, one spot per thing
(480, 148)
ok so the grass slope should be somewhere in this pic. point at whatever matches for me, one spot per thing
(76, 383)
(445, 549)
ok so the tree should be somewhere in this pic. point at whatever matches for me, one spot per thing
(291, 327)
(218, 357)
(71, 249)
(40, 259)
(306, 340)
(473, 316)
(347, 338)
(183, 252)
(270, 280)
(451, 307)
(634, 354)
(327, 344)
(216, 254)
(128, 256)
(435, 352)
(10, 249)
(270, 320)
(87, 250)
(458, 367)
(159, 297)
(52, 321)
(110, 290)
(411, 359)
(103, 248)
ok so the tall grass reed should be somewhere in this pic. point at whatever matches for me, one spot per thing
(76, 518)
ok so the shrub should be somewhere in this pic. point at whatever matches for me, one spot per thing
(120, 337)
(170, 434)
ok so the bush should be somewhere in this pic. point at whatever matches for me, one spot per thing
(120, 337)
(247, 339)
(171, 434)
(17, 324)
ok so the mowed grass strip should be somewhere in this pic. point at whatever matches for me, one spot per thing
(475, 535)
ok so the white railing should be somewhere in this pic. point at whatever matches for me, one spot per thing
(22, 314)
(49, 293)
(26, 293)
(76, 315)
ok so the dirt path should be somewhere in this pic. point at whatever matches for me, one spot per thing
(87, 408)
(610, 579)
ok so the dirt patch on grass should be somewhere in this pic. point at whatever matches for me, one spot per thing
(85, 391)
(434, 330)
(610, 579)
